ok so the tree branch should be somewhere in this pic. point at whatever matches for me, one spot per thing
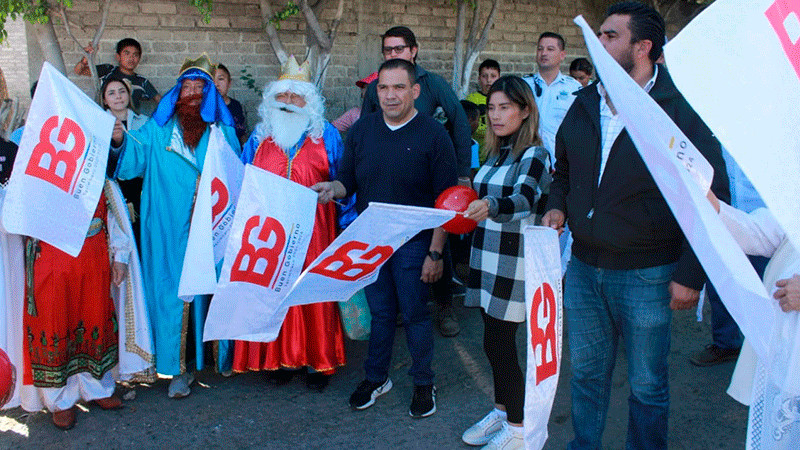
(313, 24)
(335, 22)
(101, 28)
(272, 33)
(458, 48)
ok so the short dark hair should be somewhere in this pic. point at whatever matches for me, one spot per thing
(222, 67)
(581, 64)
(398, 63)
(472, 110)
(646, 24)
(549, 34)
(128, 42)
(489, 64)
(401, 32)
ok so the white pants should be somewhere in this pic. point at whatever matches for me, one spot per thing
(82, 386)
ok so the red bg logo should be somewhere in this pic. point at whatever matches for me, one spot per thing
(219, 189)
(273, 236)
(784, 16)
(57, 166)
(543, 332)
(341, 267)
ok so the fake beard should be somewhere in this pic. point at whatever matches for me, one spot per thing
(289, 122)
(192, 124)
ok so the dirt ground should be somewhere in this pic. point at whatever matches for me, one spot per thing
(246, 411)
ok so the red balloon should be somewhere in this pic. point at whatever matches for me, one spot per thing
(7, 378)
(457, 198)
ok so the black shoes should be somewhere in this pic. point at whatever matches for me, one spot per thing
(366, 393)
(423, 404)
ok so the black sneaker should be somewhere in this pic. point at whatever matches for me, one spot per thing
(366, 393)
(423, 404)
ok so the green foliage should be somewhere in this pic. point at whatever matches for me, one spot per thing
(205, 7)
(250, 81)
(288, 11)
(33, 11)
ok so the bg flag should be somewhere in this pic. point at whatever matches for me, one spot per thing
(212, 217)
(543, 300)
(60, 167)
(264, 256)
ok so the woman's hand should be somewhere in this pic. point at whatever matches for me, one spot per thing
(477, 210)
(788, 295)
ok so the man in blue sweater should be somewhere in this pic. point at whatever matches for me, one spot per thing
(400, 156)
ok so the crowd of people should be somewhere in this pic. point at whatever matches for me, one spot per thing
(548, 148)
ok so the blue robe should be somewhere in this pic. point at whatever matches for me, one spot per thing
(168, 193)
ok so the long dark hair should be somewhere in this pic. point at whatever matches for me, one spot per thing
(518, 91)
(108, 81)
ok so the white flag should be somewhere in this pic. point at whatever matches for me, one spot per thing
(264, 256)
(726, 265)
(543, 303)
(752, 107)
(352, 261)
(60, 166)
(214, 208)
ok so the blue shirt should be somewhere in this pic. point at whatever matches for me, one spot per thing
(743, 194)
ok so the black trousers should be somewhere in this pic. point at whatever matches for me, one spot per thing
(500, 346)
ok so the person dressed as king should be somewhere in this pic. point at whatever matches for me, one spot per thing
(293, 140)
(168, 153)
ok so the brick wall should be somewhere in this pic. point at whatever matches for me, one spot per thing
(14, 61)
(172, 30)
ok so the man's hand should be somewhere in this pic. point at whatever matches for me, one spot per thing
(477, 210)
(788, 295)
(554, 219)
(117, 134)
(431, 270)
(118, 271)
(682, 296)
(82, 68)
(326, 191)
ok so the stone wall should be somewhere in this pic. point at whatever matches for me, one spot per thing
(173, 30)
(14, 61)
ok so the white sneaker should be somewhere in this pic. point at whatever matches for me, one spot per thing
(482, 432)
(507, 439)
(179, 386)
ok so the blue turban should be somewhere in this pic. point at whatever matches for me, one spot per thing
(212, 108)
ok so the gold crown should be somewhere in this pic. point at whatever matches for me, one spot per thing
(292, 71)
(201, 63)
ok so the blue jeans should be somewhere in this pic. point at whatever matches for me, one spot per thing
(603, 306)
(725, 331)
(399, 287)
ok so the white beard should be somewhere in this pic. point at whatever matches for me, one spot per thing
(288, 126)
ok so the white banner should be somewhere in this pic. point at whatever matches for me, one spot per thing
(726, 265)
(752, 106)
(543, 303)
(212, 217)
(60, 166)
(351, 262)
(265, 255)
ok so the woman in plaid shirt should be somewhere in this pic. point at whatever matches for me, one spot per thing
(512, 186)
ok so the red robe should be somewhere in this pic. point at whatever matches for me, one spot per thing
(312, 334)
(69, 319)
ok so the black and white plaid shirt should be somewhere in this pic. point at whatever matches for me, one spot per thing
(516, 189)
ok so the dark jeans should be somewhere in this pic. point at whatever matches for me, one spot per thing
(399, 287)
(725, 331)
(605, 306)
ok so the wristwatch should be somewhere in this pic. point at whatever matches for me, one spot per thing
(434, 255)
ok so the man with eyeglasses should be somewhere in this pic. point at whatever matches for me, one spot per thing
(401, 43)
(552, 89)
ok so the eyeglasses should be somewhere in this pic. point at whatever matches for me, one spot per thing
(395, 49)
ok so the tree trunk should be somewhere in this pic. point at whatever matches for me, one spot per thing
(48, 42)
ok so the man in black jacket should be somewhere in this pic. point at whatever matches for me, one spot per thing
(631, 263)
